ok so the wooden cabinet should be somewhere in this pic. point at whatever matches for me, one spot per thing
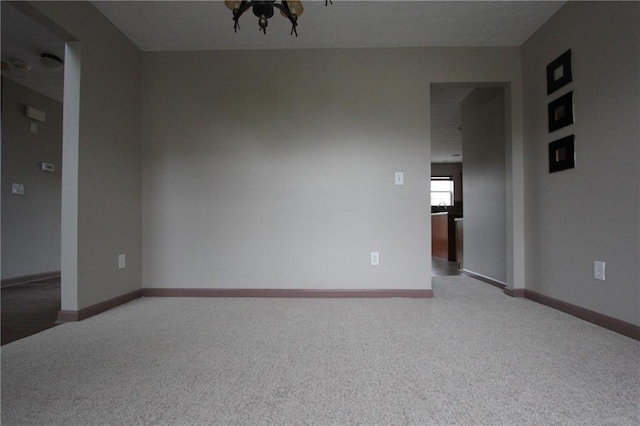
(439, 235)
(443, 239)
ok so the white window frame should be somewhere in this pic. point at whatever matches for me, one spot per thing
(442, 196)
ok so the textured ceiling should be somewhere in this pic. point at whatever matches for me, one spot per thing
(208, 25)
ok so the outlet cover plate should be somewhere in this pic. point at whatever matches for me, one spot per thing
(599, 270)
(122, 261)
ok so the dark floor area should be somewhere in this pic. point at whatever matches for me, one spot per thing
(29, 309)
(440, 267)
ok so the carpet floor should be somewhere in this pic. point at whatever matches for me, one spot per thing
(471, 355)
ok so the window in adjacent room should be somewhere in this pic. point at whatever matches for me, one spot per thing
(441, 191)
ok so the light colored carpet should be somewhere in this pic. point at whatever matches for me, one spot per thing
(471, 355)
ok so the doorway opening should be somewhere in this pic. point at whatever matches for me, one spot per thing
(469, 127)
(33, 74)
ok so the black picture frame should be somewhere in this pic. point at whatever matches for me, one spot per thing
(559, 72)
(562, 154)
(560, 112)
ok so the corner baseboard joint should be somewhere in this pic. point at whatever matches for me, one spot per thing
(89, 311)
(514, 292)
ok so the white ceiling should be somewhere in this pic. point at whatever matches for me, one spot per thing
(25, 40)
(208, 25)
(446, 118)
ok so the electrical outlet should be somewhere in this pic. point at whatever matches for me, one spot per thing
(375, 258)
(598, 270)
(122, 261)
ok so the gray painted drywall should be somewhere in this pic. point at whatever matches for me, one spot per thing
(256, 177)
(590, 212)
(108, 167)
(30, 222)
(450, 169)
(483, 145)
(116, 62)
(70, 153)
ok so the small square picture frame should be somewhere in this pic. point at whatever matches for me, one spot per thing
(560, 112)
(562, 155)
(559, 72)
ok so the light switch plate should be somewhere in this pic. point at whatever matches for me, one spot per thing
(375, 258)
(17, 189)
(399, 178)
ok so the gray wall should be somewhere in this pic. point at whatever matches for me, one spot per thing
(105, 160)
(590, 212)
(255, 177)
(30, 223)
(483, 145)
